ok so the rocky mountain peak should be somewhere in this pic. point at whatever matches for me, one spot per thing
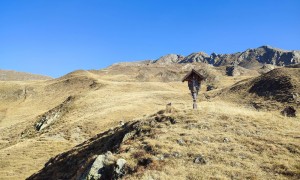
(250, 58)
(196, 57)
(170, 58)
(270, 48)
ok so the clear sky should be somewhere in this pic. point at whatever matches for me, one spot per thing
(55, 37)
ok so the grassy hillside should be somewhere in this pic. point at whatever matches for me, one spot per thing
(83, 104)
(9, 75)
(230, 143)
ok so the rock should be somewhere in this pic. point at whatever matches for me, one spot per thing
(121, 123)
(53, 115)
(119, 169)
(289, 111)
(160, 157)
(98, 165)
(129, 135)
(225, 140)
(181, 142)
(98, 168)
(295, 98)
(176, 154)
(200, 160)
(172, 120)
(210, 87)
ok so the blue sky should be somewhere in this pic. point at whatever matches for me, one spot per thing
(55, 37)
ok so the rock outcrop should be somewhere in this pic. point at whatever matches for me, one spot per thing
(170, 58)
(106, 167)
(53, 115)
(197, 57)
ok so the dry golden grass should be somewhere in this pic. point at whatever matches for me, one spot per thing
(262, 145)
(258, 145)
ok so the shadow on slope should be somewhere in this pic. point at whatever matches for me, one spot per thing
(276, 88)
(75, 164)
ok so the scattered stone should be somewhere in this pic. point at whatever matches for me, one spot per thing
(121, 123)
(181, 142)
(289, 111)
(166, 155)
(210, 87)
(176, 154)
(225, 140)
(94, 84)
(200, 160)
(119, 169)
(172, 120)
(295, 97)
(161, 157)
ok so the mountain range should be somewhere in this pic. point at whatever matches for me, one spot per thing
(251, 58)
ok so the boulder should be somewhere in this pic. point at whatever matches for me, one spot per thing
(98, 166)
(105, 167)
(200, 160)
(119, 169)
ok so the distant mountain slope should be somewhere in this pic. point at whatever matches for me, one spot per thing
(9, 75)
(273, 90)
(251, 58)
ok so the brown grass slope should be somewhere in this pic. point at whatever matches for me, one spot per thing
(100, 99)
(233, 144)
(9, 75)
(98, 104)
(275, 89)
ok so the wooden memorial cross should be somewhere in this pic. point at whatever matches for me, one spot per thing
(194, 82)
